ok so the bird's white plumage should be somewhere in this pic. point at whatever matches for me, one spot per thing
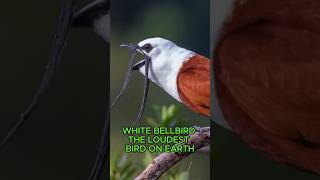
(166, 60)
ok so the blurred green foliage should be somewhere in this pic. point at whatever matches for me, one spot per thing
(121, 168)
(165, 116)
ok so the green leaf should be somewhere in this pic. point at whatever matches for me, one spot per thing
(172, 110)
(163, 113)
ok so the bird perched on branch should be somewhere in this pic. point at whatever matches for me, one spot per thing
(266, 68)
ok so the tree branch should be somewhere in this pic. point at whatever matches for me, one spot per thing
(165, 161)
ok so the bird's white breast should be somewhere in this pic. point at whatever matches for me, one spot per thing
(165, 68)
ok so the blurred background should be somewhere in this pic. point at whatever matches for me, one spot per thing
(233, 159)
(61, 138)
(186, 23)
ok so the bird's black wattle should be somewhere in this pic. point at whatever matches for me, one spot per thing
(133, 52)
(145, 91)
(146, 62)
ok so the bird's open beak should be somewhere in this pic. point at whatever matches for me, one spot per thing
(146, 63)
(138, 65)
(141, 63)
(130, 46)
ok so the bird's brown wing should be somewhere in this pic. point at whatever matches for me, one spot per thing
(272, 70)
(267, 78)
(193, 84)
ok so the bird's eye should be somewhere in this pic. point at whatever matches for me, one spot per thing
(147, 47)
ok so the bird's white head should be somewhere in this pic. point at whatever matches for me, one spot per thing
(166, 60)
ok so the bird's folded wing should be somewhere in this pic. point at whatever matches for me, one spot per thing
(194, 84)
(273, 72)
